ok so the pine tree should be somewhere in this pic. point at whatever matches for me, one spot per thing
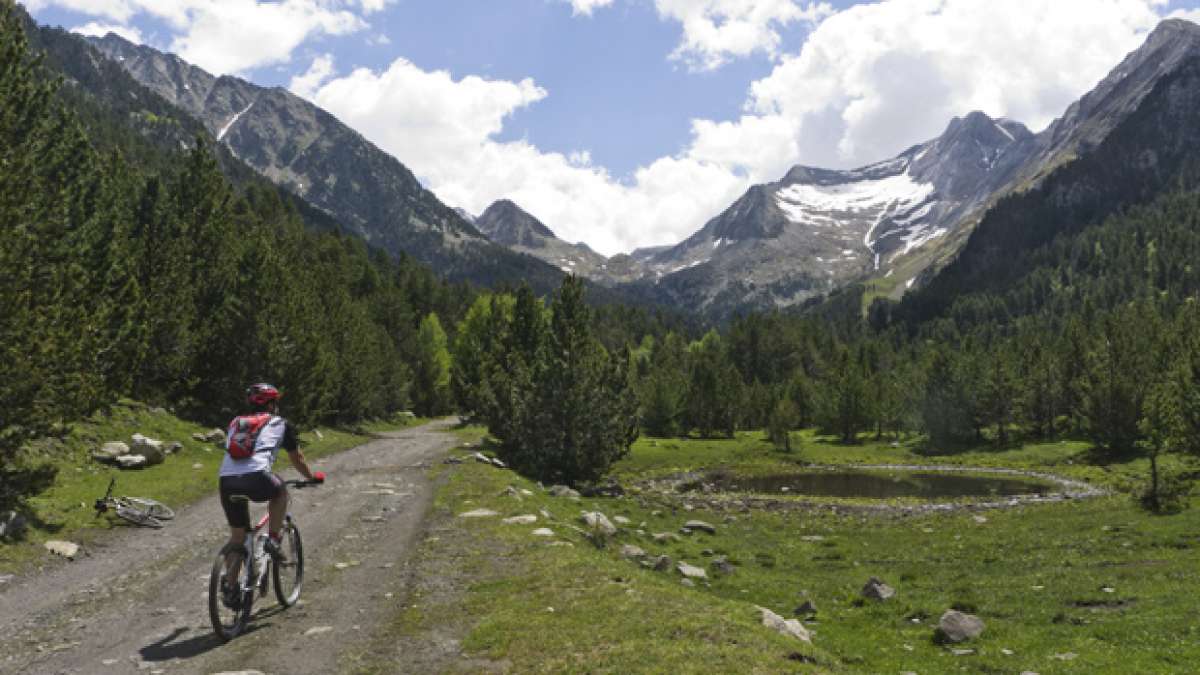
(431, 384)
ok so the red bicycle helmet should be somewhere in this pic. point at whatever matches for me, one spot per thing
(262, 394)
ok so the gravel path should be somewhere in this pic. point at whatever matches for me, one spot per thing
(137, 603)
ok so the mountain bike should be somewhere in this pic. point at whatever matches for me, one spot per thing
(231, 596)
(137, 510)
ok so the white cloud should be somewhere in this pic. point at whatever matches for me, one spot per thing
(715, 31)
(586, 7)
(233, 36)
(1192, 15)
(98, 29)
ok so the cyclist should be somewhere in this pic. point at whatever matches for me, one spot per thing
(251, 476)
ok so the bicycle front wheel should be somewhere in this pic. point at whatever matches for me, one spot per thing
(138, 516)
(289, 572)
(228, 605)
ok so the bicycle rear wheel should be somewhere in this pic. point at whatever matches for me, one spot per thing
(138, 516)
(228, 606)
(289, 573)
(153, 507)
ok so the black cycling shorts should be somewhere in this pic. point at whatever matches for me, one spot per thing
(260, 486)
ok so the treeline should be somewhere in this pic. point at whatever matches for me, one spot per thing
(174, 288)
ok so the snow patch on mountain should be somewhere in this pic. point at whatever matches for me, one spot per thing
(229, 125)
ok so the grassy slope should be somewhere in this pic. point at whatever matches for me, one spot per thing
(65, 509)
(1036, 574)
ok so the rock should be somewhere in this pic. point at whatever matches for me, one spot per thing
(527, 519)
(543, 532)
(691, 571)
(563, 491)
(962, 652)
(452, 460)
(478, 513)
(149, 448)
(213, 436)
(877, 590)
(526, 493)
(598, 522)
(66, 549)
(688, 582)
(662, 563)
(202, 438)
(1066, 656)
(317, 630)
(621, 520)
(157, 411)
(722, 565)
(173, 447)
(610, 489)
(197, 465)
(109, 452)
(790, 627)
(664, 537)
(511, 492)
(693, 525)
(12, 524)
(979, 519)
(955, 626)
(807, 609)
(631, 552)
(546, 514)
(498, 464)
(5, 578)
(132, 461)
(482, 458)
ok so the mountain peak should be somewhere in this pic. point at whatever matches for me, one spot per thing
(506, 223)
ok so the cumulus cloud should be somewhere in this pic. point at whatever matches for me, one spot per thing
(715, 31)
(586, 7)
(98, 29)
(233, 36)
(867, 83)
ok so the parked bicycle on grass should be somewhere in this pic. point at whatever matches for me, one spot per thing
(137, 510)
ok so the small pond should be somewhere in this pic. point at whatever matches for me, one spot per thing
(885, 484)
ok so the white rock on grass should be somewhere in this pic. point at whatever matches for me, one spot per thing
(598, 522)
(783, 626)
(632, 552)
(877, 590)
(563, 491)
(478, 513)
(691, 571)
(693, 525)
(132, 461)
(66, 549)
(527, 519)
(543, 532)
(955, 626)
(150, 448)
(621, 520)
(109, 452)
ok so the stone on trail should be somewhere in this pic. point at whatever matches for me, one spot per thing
(783, 626)
(877, 590)
(632, 552)
(598, 522)
(692, 525)
(66, 549)
(955, 626)
(317, 630)
(478, 513)
(691, 571)
(527, 519)
(132, 461)
(543, 532)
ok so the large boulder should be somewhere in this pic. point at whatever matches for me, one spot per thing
(152, 449)
(877, 590)
(955, 626)
(790, 627)
(109, 452)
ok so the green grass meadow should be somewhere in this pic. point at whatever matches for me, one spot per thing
(1085, 586)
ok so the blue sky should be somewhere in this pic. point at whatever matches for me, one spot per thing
(625, 123)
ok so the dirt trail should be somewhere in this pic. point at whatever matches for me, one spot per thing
(138, 602)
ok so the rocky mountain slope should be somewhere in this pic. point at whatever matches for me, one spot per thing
(308, 151)
(509, 225)
(897, 222)
(817, 229)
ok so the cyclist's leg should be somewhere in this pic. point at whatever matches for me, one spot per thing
(278, 506)
(237, 514)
